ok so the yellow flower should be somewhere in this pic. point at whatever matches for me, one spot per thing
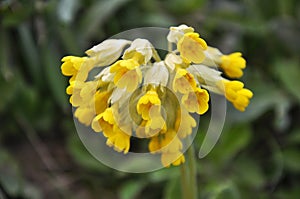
(127, 74)
(172, 158)
(237, 94)
(149, 101)
(101, 101)
(184, 123)
(191, 48)
(170, 146)
(183, 82)
(196, 101)
(84, 115)
(150, 128)
(77, 67)
(104, 122)
(167, 142)
(171, 142)
(119, 140)
(233, 64)
(74, 90)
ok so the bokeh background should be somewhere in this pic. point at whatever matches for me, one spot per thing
(41, 156)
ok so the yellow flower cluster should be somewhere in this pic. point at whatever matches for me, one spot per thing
(137, 94)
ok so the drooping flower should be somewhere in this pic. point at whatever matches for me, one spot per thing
(196, 101)
(191, 48)
(183, 82)
(127, 74)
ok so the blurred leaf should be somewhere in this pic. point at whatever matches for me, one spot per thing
(97, 14)
(220, 190)
(55, 79)
(292, 159)
(294, 137)
(248, 173)
(131, 189)
(288, 72)
(83, 157)
(30, 52)
(10, 173)
(164, 174)
(14, 17)
(231, 142)
(172, 189)
(66, 10)
(183, 7)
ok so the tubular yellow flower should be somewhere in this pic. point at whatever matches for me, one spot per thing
(196, 101)
(149, 101)
(233, 64)
(85, 115)
(127, 74)
(191, 48)
(184, 123)
(76, 67)
(119, 140)
(101, 101)
(183, 82)
(71, 65)
(104, 122)
(150, 128)
(168, 158)
(237, 94)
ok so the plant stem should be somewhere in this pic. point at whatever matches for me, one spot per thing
(189, 176)
(193, 172)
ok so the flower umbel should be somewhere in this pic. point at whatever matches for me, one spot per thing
(138, 94)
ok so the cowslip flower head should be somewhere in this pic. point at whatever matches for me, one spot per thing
(138, 94)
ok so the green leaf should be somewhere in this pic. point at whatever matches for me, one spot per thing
(172, 189)
(288, 72)
(232, 141)
(83, 157)
(30, 52)
(131, 189)
(97, 15)
(292, 159)
(54, 78)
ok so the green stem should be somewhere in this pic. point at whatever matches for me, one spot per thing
(189, 176)
(193, 172)
(156, 56)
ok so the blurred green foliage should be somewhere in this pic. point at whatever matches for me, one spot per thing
(41, 156)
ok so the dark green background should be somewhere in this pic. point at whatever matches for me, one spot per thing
(41, 156)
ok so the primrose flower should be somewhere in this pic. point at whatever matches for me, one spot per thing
(137, 95)
(184, 82)
(233, 64)
(127, 74)
(237, 94)
(191, 48)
